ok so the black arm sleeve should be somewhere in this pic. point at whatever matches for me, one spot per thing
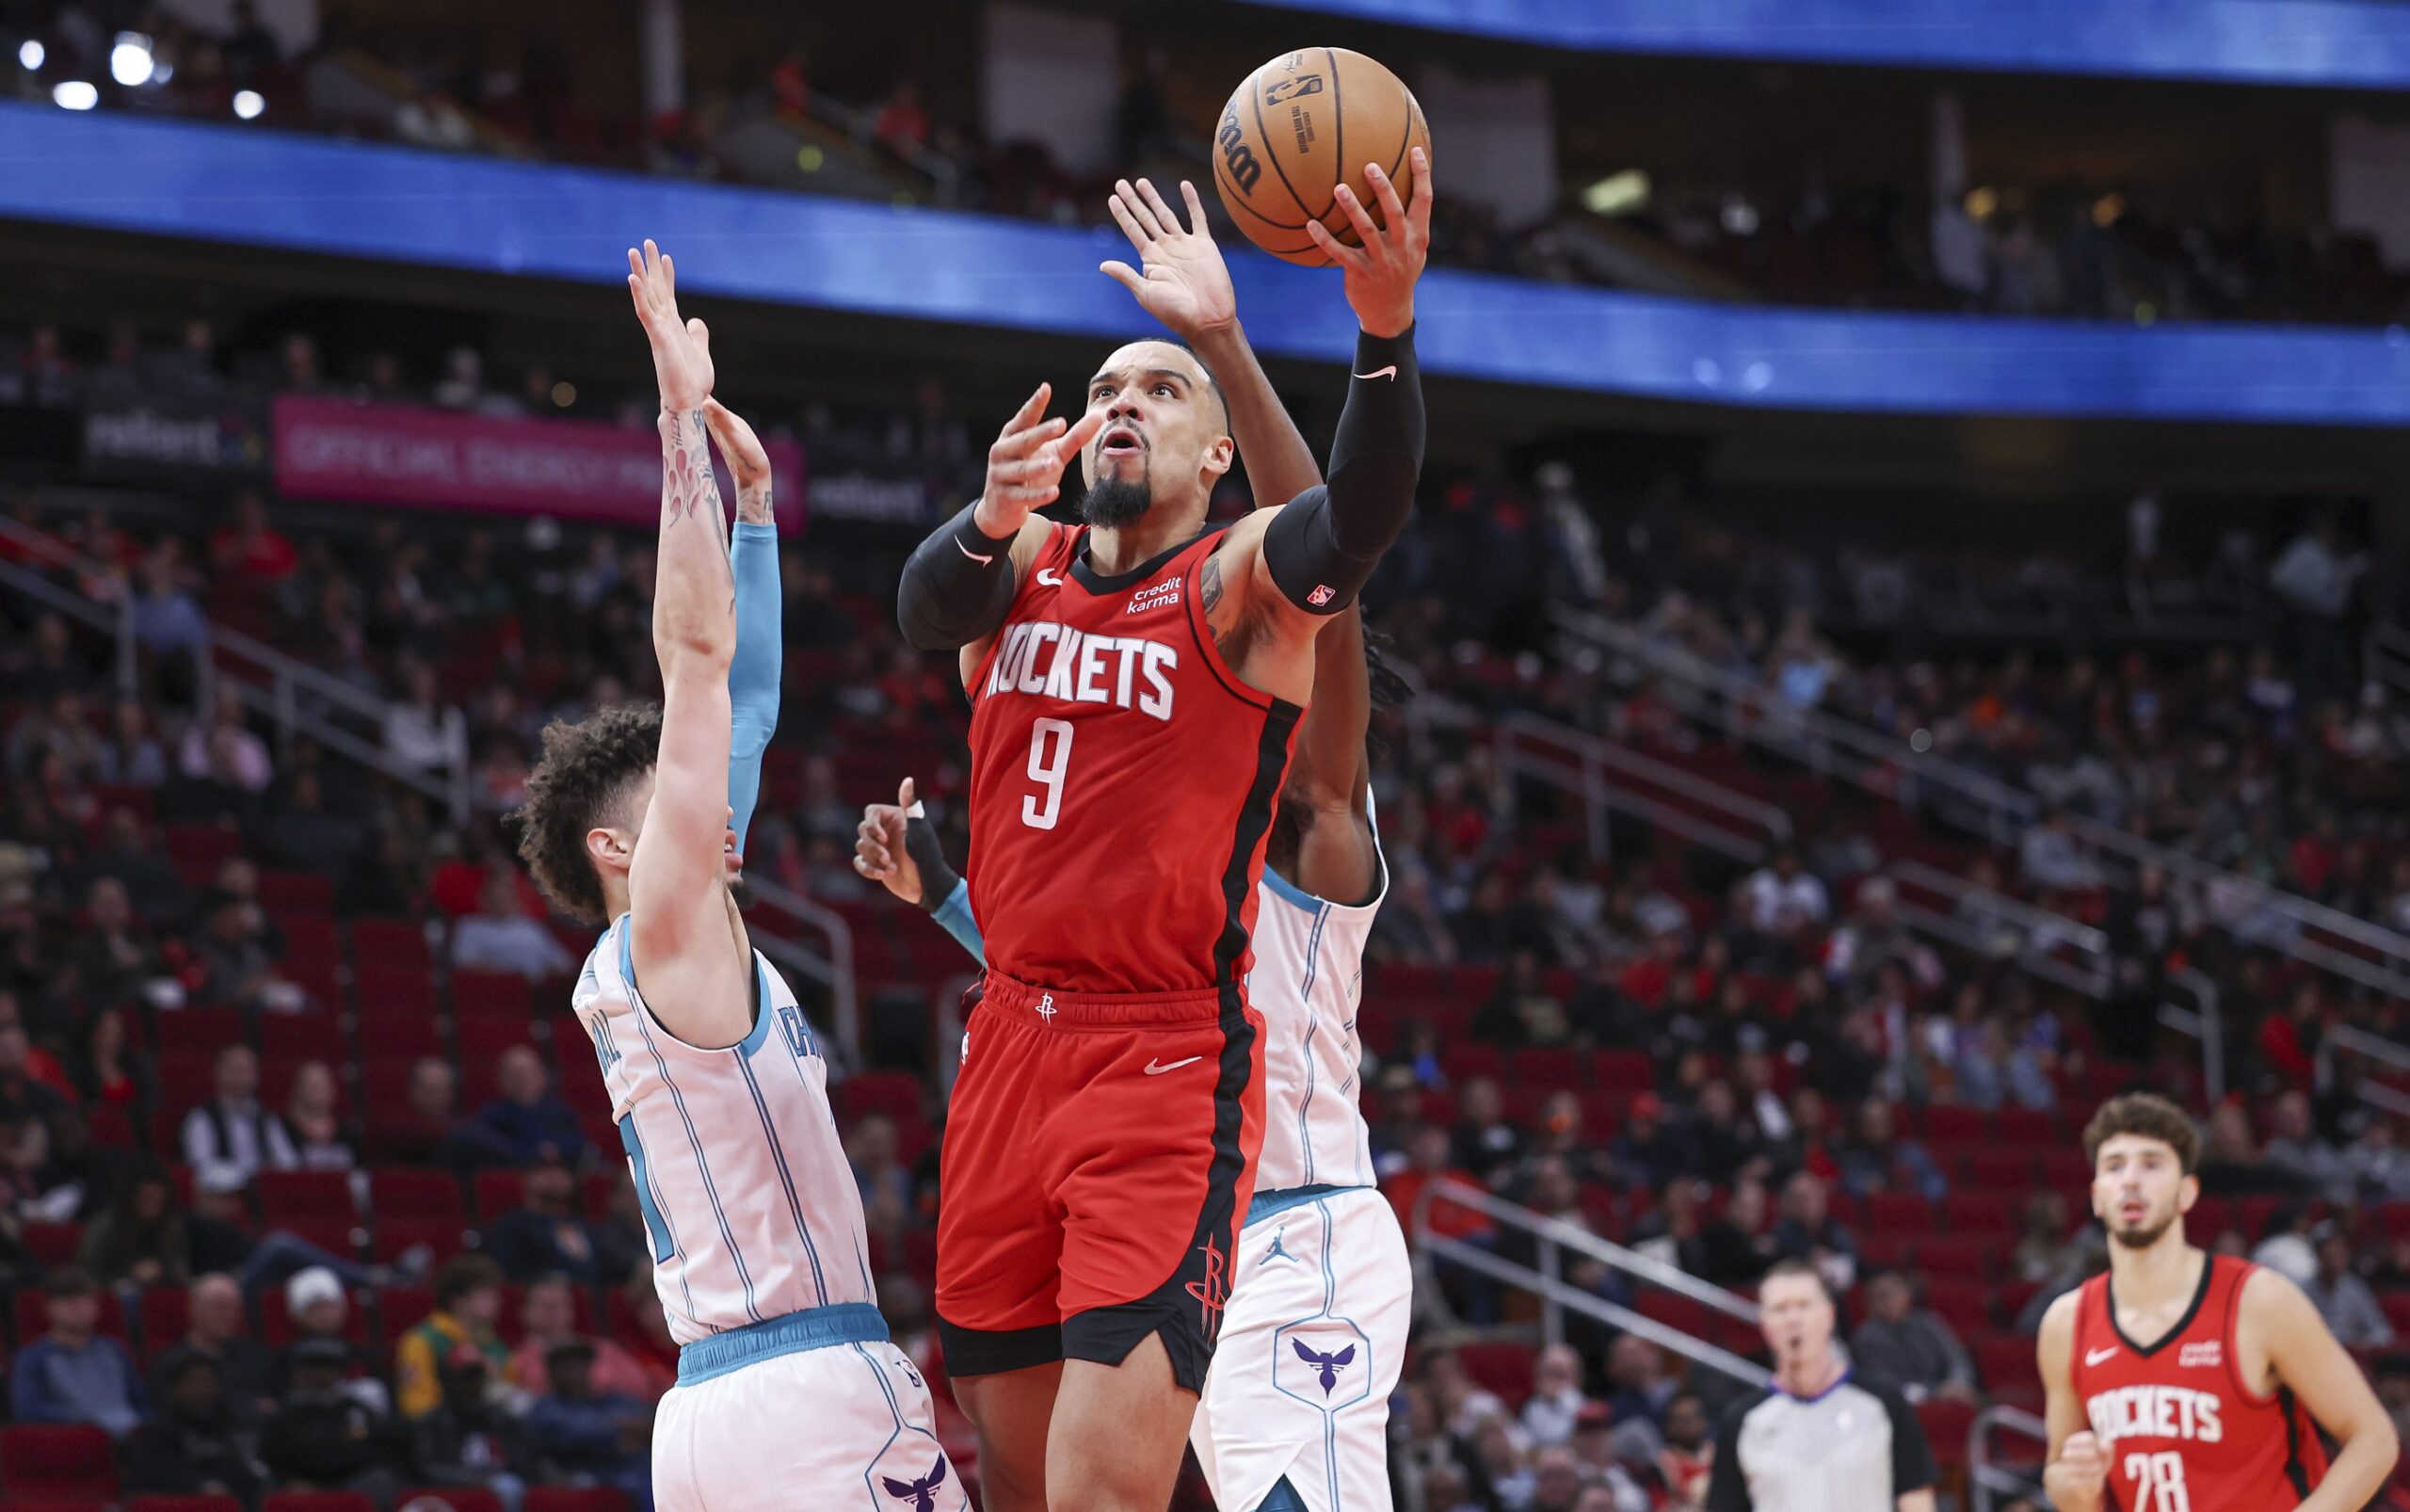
(1323, 548)
(938, 880)
(957, 586)
(1728, 1480)
(1912, 1466)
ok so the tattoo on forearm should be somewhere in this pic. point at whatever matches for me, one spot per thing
(753, 504)
(687, 483)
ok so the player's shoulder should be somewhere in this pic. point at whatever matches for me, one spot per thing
(2266, 1294)
(2055, 1341)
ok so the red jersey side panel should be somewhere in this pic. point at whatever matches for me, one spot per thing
(2180, 1429)
(1121, 784)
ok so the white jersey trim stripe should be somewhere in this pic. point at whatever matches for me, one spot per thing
(786, 1177)
(1314, 1023)
(643, 1017)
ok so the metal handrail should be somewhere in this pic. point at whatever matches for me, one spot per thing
(2037, 934)
(2385, 656)
(1555, 1231)
(2205, 1023)
(1984, 1478)
(2244, 906)
(835, 970)
(1529, 746)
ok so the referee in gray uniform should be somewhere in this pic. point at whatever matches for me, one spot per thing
(1816, 1440)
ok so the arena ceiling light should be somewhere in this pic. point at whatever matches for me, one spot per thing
(130, 61)
(74, 94)
(30, 54)
(248, 105)
(1618, 193)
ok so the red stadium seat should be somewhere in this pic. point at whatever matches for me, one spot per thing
(404, 1192)
(2004, 1360)
(1966, 1306)
(1958, 1257)
(183, 1504)
(1946, 1124)
(398, 941)
(199, 1031)
(401, 1307)
(1622, 1070)
(52, 1244)
(297, 892)
(500, 1192)
(1899, 1212)
(166, 1313)
(1997, 1173)
(457, 1497)
(1501, 1365)
(1980, 1213)
(1946, 1425)
(295, 1196)
(478, 994)
(57, 1460)
(2026, 1126)
(317, 1501)
(574, 1499)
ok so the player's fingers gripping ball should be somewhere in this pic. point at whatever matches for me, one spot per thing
(1299, 127)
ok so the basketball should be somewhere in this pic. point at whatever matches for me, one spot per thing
(1293, 128)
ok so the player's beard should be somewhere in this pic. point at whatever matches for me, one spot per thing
(2144, 1236)
(1113, 502)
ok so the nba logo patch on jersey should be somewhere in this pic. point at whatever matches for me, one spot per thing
(1321, 595)
(2208, 1352)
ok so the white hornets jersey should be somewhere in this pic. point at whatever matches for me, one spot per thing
(750, 1203)
(1308, 981)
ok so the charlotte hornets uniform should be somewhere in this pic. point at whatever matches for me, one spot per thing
(1322, 1290)
(789, 1394)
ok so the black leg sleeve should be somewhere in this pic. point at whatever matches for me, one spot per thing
(1323, 548)
(957, 586)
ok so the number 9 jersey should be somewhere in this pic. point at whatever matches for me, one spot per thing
(1122, 781)
(2181, 1429)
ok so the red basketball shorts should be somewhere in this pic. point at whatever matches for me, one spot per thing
(1099, 1154)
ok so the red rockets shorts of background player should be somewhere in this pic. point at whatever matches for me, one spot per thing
(1099, 1154)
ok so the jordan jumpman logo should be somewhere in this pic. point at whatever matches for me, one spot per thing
(1276, 1252)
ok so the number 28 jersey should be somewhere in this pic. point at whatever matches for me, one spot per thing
(2181, 1430)
(1122, 781)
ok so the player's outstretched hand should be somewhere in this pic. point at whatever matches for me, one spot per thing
(1381, 273)
(1025, 465)
(1184, 282)
(879, 852)
(748, 462)
(682, 350)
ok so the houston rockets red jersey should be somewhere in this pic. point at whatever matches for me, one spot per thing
(1122, 781)
(2181, 1430)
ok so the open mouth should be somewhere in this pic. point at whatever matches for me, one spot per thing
(1120, 441)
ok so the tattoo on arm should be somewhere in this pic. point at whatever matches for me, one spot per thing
(689, 489)
(753, 503)
(1209, 583)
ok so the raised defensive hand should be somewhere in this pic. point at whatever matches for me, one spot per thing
(1025, 465)
(748, 462)
(1185, 283)
(682, 350)
(1381, 273)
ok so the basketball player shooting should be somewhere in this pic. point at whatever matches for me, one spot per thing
(635, 819)
(1295, 1408)
(2183, 1381)
(1135, 684)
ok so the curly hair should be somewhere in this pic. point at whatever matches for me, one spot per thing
(2152, 1117)
(587, 768)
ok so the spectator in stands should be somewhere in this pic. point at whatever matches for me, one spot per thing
(114, 958)
(71, 1373)
(2042, 1249)
(223, 759)
(193, 1444)
(1875, 1158)
(546, 1236)
(886, 1187)
(1484, 1143)
(326, 1435)
(312, 1117)
(501, 937)
(248, 548)
(230, 1138)
(590, 1435)
(153, 889)
(468, 1299)
(465, 1438)
(422, 731)
(168, 623)
(1737, 1248)
(529, 1121)
(1783, 901)
(139, 1238)
(2050, 855)
(902, 125)
(1728, 1142)
(2289, 1042)
(1909, 1348)
(2344, 1300)
(319, 1311)
(1639, 1387)
(1652, 1149)
(24, 1096)
(2376, 1164)
(237, 949)
(2317, 577)
(429, 1130)
(132, 757)
(217, 1331)
(1556, 1396)
(2295, 1148)
(548, 1316)
(387, 878)
(1808, 1231)
(1688, 1460)
(2230, 1163)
